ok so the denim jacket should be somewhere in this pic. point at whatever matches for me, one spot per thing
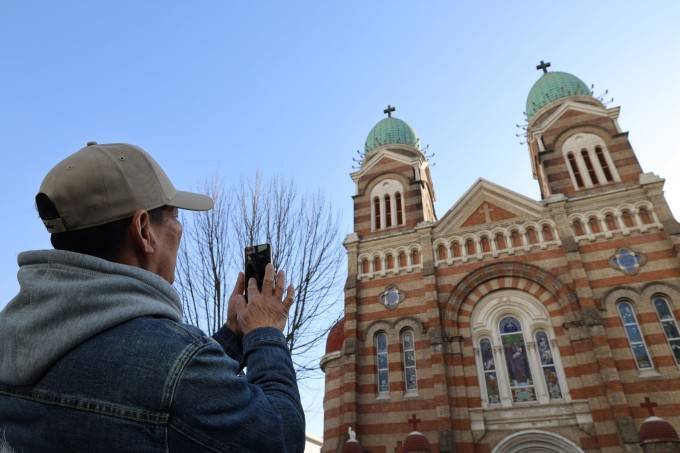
(144, 381)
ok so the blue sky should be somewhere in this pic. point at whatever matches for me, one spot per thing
(292, 89)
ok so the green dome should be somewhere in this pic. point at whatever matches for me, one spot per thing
(390, 131)
(551, 87)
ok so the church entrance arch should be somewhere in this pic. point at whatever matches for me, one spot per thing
(536, 441)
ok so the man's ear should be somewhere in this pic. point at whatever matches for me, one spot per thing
(141, 232)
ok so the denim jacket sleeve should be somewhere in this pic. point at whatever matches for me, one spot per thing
(213, 409)
(231, 343)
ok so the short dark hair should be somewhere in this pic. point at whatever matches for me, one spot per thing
(102, 241)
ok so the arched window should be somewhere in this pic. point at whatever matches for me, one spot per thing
(669, 324)
(645, 216)
(515, 351)
(387, 203)
(589, 166)
(484, 243)
(400, 214)
(628, 219)
(490, 377)
(575, 170)
(589, 162)
(635, 339)
(441, 252)
(516, 361)
(376, 212)
(365, 267)
(377, 264)
(500, 241)
(547, 233)
(415, 257)
(470, 247)
(390, 261)
(515, 239)
(611, 222)
(532, 237)
(552, 382)
(409, 347)
(383, 371)
(402, 260)
(603, 164)
(594, 225)
(578, 228)
(455, 248)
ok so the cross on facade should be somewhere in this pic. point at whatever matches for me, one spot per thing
(649, 405)
(543, 66)
(388, 111)
(487, 212)
(414, 421)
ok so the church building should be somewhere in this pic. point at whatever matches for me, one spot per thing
(509, 324)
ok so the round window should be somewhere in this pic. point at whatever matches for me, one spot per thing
(391, 297)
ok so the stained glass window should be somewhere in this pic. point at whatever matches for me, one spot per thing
(383, 369)
(490, 376)
(519, 373)
(635, 340)
(545, 355)
(669, 325)
(409, 347)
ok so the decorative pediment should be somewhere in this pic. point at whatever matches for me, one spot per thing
(540, 126)
(487, 203)
(401, 154)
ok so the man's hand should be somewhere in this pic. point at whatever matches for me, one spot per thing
(268, 308)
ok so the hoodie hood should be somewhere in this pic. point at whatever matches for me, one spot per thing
(67, 298)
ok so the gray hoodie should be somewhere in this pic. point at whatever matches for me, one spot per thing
(67, 298)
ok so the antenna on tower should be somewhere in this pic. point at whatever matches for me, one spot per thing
(602, 98)
(522, 132)
(429, 156)
(358, 160)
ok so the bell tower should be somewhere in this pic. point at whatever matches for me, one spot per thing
(575, 142)
(393, 186)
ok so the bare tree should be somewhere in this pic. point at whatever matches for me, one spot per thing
(303, 231)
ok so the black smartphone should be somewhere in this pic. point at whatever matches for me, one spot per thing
(256, 259)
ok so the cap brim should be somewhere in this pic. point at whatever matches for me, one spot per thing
(191, 201)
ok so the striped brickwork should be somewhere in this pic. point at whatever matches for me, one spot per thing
(567, 269)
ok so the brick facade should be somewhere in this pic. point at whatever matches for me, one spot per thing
(558, 252)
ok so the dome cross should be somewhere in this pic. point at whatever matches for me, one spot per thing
(388, 111)
(543, 66)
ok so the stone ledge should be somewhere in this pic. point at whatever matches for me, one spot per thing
(574, 413)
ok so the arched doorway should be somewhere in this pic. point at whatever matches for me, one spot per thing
(536, 441)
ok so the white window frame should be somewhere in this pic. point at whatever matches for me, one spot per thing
(534, 317)
(672, 320)
(588, 141)
(377, 362)
(642, 335)
(404, 332)
(389, 188)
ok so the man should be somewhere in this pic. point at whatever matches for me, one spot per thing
(93, 354)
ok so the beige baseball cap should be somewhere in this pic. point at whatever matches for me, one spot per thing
(100, 184)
